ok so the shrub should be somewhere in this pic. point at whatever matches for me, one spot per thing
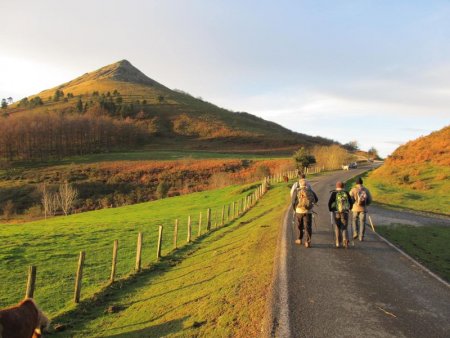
(162, 189)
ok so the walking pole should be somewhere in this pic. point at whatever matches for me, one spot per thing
(332, 230)
(314, 217)
(371, 224)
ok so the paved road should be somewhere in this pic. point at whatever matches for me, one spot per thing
(369, 290)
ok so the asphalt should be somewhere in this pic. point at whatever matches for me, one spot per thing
(368, 290)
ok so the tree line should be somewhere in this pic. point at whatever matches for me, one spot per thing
(46, 136)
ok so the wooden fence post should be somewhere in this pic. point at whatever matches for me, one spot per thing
(114, 261)
(138, 252)
(228, 212)
(223, 216)
(208, 219)
(175, 234)
(189, 230)
(158, 250)
(31, 282)
(200, 224)
(215, 219)
(79, 277)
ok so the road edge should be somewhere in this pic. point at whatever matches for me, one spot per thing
(276, 321)
(412, 259)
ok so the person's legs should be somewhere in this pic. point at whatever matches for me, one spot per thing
(307, 220)
(344, 222)
(300, 225)
(337, 231)
(355, 223)
(362, 225)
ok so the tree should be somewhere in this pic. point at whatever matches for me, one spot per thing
(66, 197)
(352, 145)
(4, 104)
(162, 189)
(372, 153)
(10, 100)
(8, 209)
(80, 105)
(303, 159)
(49, 201)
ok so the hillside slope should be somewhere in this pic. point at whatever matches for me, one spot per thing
(417, 174)
(121, 91)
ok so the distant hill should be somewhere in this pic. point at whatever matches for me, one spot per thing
(433, 149)
(170, 118)
(417, 174)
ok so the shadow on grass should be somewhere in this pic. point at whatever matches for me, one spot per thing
(110, 295)
(155, 330)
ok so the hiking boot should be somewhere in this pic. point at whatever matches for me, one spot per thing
(307, 244)
(337, 245)
(355, 236)
(298, 241)
(361, 239)
(345, 243)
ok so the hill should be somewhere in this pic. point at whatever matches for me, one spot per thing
(417, 174)
(160, 116)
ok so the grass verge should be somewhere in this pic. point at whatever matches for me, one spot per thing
(214, 287)
(417, 187)
(53, 245)
(427, 244)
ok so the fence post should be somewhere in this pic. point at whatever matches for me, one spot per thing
(208, 219)
(31, 282)
(138, 252)
(223, 216)
(175, 234)
(114, 261)
(200, 224)
(158, 250)
(189, 230)
(215, 219)
(228, 212)
(79, 277)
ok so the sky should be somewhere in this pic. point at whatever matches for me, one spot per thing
(373, 71)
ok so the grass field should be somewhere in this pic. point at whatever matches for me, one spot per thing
(419, 187)
(215, 287)
(53, 245)
(427, 244)
(147, 155)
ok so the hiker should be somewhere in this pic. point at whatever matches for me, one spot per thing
(301, 180)
(340, 204)
(361, 199)
(303, 198)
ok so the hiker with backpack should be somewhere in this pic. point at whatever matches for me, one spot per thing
(361, 199)
(303, 200)
(340, 204)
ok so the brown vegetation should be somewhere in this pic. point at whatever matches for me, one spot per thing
(40, 137)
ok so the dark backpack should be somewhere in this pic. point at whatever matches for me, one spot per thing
(305, 198)
(361, 197)
(342, 202)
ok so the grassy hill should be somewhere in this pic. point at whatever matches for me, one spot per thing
(214, 286)
(121, 91)
(416, 175)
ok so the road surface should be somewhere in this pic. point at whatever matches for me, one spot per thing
(369, 290)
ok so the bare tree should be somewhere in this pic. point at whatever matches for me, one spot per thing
(66, 197)
(45, 199)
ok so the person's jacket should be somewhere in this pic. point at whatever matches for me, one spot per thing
(354, 196)
(332, 201)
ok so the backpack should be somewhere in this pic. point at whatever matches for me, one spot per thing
(305, 198)
(342, 202)
(361, 197)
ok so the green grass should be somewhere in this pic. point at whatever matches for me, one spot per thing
(53, 245)
(428, 244)
(400, 188)
(157, 155)
(215, 287)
